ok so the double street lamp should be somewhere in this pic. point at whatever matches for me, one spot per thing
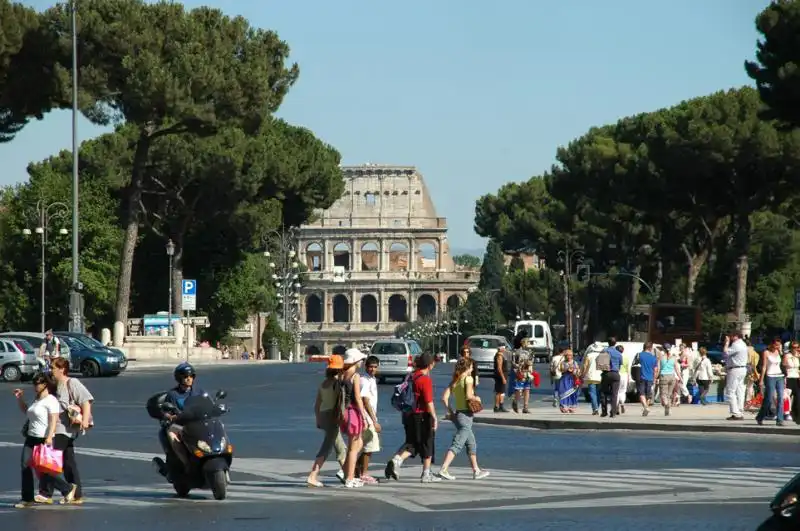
(46, 213)
(569, 257)
(286, 278)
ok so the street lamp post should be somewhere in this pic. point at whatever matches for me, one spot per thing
(568, 257)
(76, 323)
(170, 254)
(286, 276)
(46, 212)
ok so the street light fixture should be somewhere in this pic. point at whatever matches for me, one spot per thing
(76, 322)
(46, 213)
(285, 275)
(170, 253)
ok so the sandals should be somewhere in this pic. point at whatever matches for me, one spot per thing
(314, 484)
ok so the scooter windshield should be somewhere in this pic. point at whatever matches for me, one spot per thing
(200, 407)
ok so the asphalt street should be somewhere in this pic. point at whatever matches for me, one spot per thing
(540, 479)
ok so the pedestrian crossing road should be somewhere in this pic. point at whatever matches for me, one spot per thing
(283, 481)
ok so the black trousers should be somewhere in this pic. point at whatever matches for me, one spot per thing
(67, 445)
(793, 384)
(609, 389)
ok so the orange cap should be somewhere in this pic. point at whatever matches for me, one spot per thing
(335, 362)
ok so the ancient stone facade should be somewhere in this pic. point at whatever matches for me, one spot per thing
(377, 258)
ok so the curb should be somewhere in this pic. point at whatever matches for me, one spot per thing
(133, 365)
(544, 424)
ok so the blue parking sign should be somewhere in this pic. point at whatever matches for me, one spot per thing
(189, 287)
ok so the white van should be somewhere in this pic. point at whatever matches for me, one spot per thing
(540, 338)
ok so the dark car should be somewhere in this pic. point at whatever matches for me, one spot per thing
(97, 345)
(92, 361)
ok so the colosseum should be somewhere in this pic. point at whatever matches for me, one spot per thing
(377, 258)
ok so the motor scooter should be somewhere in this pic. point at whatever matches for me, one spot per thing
(210, 452)
(785, 507)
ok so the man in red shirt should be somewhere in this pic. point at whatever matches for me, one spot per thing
(420, 425)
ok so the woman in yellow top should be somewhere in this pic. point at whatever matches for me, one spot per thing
(462, 387)
(325, 411)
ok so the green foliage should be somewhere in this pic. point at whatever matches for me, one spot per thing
(516, 264)
(241, 291)
(776, 70)
(669, 196)
(493, 268)
(272, 329)
(467, 260)
(482, 313)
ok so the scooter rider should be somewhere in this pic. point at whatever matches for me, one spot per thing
(169, 438)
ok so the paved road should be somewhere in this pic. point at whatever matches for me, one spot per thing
(557, 480)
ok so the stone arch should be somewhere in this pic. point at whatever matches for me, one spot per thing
(313, 350)
(313, 309)
(426, 306)
(427, 256)
(341, 309)
(453, 302)
(370, 257)
(398, 257)
(315, 257)
(370, 199)
(398, 308)
(341, 255)
(369, 309)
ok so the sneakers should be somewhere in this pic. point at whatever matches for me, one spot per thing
(22, 504)
(68, 497)
(445, 474)
(340, 476)
(41, 498)
(427, 477)
(391, 469)
(353, 484)
(368, 480)
(480, 474)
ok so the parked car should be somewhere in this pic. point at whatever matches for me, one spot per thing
(35, 339)
(483, 349)
(395, 357)
(97, 345)
(18, 359)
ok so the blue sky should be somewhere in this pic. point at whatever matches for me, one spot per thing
(473, 93)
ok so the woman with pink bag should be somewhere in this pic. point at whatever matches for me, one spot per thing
(39, 429)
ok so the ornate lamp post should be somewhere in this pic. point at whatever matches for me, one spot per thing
(568, 257)
(286, 277)
(46, 213)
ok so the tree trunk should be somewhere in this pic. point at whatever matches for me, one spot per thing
(634, 297)
(177, 279)
(134, 208)
(742, 243)
(659, 279)
(567, 309)
(695, 264)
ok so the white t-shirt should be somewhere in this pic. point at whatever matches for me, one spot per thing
(39, 415)
(369, 393)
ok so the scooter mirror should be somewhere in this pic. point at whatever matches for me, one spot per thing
(222, 408)
(221, 394)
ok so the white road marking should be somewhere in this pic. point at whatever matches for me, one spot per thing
(504, 490)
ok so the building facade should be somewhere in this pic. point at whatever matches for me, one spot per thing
(377, 258)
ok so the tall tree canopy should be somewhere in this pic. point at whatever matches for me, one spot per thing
(165, 71)
(776, 70)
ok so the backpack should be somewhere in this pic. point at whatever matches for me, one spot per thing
(403, 398)
(636, 368)
(603, 361)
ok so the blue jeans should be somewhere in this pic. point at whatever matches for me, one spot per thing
(594, 396)
(464, 435)
(57, 480)
(773, 388)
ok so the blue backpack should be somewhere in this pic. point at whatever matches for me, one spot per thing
(403, 399)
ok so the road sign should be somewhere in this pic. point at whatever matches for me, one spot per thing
(189, 295)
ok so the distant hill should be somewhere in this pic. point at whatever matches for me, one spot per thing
(455, 251)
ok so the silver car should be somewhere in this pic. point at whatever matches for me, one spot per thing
(483, 349)
(17, 359)
(395, 357)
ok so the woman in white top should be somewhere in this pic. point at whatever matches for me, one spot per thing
(703, 374)
(40, 428)
(771, 381)
(791, 362)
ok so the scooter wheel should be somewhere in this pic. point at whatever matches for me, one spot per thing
(218, 483)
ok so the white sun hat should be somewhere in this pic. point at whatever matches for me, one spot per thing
(353, 356)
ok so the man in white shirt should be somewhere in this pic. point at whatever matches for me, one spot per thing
(736, 369)
(369, 394)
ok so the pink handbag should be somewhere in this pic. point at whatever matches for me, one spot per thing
(47, 460)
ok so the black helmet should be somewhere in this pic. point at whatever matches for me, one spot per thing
(182, 370)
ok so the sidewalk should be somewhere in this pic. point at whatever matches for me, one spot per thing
(134, 365)
(686, 418)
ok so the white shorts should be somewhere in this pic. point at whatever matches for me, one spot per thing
(372, 442)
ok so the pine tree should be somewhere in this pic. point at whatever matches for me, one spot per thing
(493, 268)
